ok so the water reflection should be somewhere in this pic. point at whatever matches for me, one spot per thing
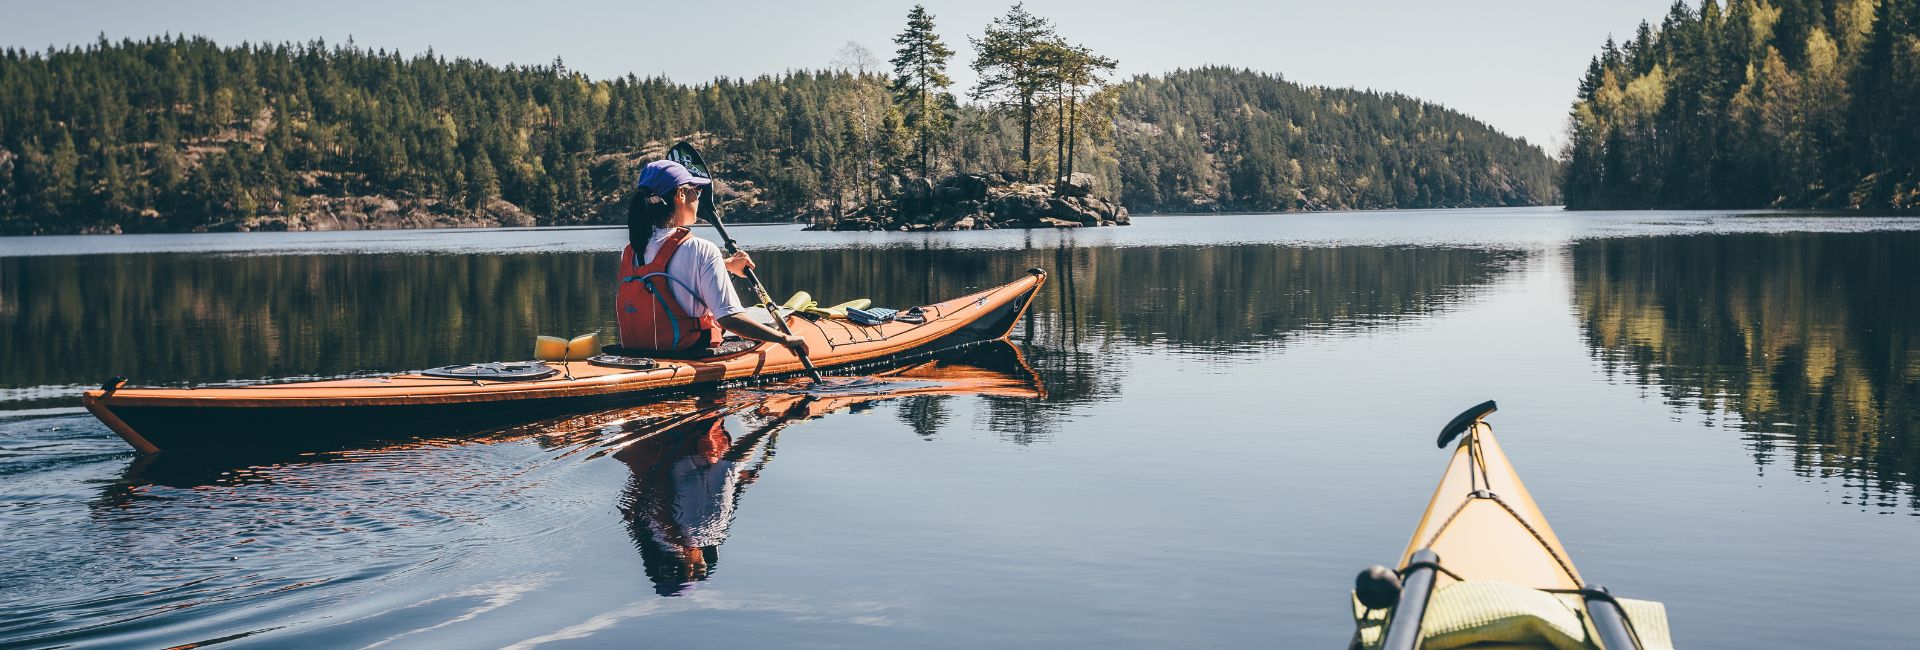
(271, 538)
(689, 470)
(1810, 343)
(172, 319)
(687, 479)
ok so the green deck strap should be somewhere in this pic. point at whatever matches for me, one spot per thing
(1462, 614)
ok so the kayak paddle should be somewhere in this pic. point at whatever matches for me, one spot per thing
(687, 156)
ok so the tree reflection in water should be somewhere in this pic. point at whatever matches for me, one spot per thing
(174, 319)
(1808, 341)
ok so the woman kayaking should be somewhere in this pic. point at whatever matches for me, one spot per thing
(674, 296)
(677, 296)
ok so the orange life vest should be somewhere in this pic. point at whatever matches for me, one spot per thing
(649, 316)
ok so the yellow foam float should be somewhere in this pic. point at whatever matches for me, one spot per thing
(554, 348)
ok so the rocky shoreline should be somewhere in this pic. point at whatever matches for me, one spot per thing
(979, 202)
(960, 202)
(383, 213)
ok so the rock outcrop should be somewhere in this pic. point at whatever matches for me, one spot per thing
(378, 213)
(979, 202)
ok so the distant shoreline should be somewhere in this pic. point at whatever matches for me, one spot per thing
(743, 224)
(1850, 212)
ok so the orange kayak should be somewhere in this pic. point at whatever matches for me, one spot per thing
(284, 414)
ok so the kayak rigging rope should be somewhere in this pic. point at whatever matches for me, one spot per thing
(854, 332)
(824, 336)
(862, 335)
(1430, 565)
(1477, 463)
(1565, 566)
(1482, 488)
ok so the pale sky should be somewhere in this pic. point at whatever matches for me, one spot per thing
(1511, 63)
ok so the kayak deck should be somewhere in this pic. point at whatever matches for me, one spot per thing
(1486, 526)
(151, 419)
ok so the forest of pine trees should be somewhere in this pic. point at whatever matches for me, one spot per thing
(171, 134)
(1761, 103)
(1224, 139)
(178, 133)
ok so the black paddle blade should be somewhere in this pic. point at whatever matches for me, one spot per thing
(689, 157)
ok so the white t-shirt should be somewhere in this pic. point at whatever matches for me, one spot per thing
(700, 265)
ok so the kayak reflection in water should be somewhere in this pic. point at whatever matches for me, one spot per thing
(687, 480)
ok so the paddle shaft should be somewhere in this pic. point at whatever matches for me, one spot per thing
(759, 289)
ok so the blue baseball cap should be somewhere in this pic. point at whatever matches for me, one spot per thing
(662, 176)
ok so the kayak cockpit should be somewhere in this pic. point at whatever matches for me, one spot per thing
(1483, 614)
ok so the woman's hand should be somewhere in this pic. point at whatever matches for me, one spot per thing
(753, 329)
(795, 343)
(738, 263)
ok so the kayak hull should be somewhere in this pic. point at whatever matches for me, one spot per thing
(288, 414)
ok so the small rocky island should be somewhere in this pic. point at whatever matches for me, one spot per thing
(979, 202)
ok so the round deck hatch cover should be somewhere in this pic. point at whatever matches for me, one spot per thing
(494, 371)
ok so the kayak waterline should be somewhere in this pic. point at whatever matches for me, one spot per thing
(282, 414)
(1484, 566)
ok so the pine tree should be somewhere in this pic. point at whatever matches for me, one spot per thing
(1080, 69)
(1011, 75)
(1591, 81)
(920, 82)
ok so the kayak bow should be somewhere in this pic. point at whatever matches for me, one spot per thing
(1484, 567)
(1483, 521)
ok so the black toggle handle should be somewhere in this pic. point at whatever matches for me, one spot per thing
(1465, 420)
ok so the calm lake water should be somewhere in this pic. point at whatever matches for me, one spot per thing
(1208, 427)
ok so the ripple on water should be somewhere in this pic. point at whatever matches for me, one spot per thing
(153, 549)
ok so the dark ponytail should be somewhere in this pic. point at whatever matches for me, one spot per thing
(645, 214)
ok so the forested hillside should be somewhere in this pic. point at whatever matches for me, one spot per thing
(1761, 103)
(1226, 139)
(173, 134)
(179, 133)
